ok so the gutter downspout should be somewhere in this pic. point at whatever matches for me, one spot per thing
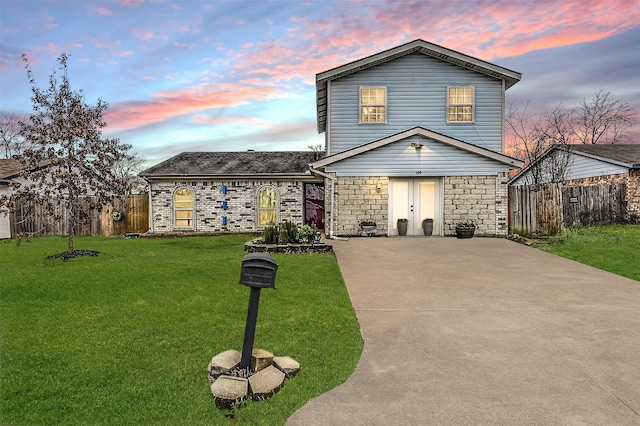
(150, 210)
(332, 192)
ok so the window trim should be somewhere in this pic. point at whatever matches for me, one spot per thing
(472, 105)
(259, 209)
(360, 105)
(176, 209)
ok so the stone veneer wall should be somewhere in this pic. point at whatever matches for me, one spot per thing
(632, 197)
(483, 199)
(242, 204)
(357, 199)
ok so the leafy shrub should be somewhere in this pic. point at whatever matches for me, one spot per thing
(270, 234)
(306, 233)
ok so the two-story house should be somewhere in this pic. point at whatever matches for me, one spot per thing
(415, 132)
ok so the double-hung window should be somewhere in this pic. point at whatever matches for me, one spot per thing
(183, 208)
(460, 104)
(373, 105)
(267, 206)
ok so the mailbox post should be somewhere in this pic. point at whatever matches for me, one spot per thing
(258, 272)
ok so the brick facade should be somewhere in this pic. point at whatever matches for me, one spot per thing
(632, 196)
(242, 204)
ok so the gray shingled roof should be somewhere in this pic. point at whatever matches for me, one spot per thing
(243, 163)
(628, 153)
(9, 168)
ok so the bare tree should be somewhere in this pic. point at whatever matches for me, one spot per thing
(68, 160)
(529, 142)
(127, 170)
(543, 140)
(11, 143)
(602, 119)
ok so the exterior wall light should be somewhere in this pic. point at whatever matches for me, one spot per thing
(378, 187)
(416, 145)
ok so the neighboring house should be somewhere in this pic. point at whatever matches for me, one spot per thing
(9, 175)
(414, 132)
(234, 191)
(589, 165)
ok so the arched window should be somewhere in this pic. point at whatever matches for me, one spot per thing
(267, 206)
(183, 208)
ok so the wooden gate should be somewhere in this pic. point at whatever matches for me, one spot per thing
(134, 217)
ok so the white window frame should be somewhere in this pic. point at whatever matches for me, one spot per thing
(183, 209)
(362, 105)
(461, 104)
(274, 208)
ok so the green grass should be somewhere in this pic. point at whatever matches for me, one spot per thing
(125, 338)
(613, 248)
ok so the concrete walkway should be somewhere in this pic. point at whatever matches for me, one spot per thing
(484, 331)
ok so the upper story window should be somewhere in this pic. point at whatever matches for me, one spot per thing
(267, 206)
(460, 104)
(183, 207)
(373, 105)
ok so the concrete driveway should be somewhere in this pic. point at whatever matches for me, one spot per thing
(484, 331)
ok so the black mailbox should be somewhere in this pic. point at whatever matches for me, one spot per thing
(258, 271)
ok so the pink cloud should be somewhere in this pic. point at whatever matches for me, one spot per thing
(164, 105)
(131, 3)
(104, 11)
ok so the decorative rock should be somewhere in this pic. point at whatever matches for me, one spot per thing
(287, 365)
(228, 391)
(260, 359)
(266, 383)
(223, 363)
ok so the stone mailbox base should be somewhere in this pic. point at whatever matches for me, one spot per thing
(231, 387)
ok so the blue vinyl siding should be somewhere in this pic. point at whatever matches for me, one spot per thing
(579, 167)
(582, 167)
(433, 159)
(416, 96)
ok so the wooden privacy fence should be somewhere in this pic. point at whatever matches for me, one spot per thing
(546, 209)
(29, 218)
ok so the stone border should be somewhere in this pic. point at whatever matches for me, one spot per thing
(231, 386)
(260, 247)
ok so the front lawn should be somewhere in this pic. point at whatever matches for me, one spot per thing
(613, 248)
(125, 338)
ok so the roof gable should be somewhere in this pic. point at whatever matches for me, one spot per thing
(439, 137)
(244, 163)
(433, 50)
(10, 168)
(625, 155)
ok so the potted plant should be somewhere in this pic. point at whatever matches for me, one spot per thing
(367, 228)
(465, 229)
(427, 226)
(402, 226)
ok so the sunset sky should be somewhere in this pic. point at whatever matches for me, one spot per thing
(234, 75)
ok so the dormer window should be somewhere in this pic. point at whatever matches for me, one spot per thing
(373, 105)
(460, 104)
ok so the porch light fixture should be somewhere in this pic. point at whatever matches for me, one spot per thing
(416, 145)
(378, 187)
